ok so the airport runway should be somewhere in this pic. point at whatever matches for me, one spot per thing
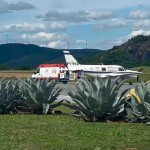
(70, 87)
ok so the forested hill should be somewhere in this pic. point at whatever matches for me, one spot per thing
(135, 52)
(28, 55)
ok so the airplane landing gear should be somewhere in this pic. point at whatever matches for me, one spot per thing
(130, 83)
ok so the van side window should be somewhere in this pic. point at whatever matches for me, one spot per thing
(103, 69)
(54, 71)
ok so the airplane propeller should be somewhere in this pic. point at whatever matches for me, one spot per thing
(141, 69)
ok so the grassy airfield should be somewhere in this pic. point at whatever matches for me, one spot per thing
(23, 74)
(55, 132)
(145, 76)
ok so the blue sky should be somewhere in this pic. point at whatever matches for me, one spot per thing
(98, 24)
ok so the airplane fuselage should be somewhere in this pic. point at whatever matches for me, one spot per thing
(104, 71)
(101, 71)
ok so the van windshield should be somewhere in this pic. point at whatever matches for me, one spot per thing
(37, 71)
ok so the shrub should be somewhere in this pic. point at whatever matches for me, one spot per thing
(138, 105)
(97, 100)
(40, 94)
(10, 96)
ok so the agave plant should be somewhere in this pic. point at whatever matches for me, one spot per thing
(138, 105)
(9, 96)
(97, 100)
(39, 95)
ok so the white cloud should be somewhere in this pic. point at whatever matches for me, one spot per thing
(124, 39)
(20, 6)
(3, 5)
(112, 24)
(80, 16)
(117, 23)
(94, 4)
(57, 4)
(56, 26)
(43, 36)
(81, 41)
(22, 27)
(31, 27)
(140, 32)
(139, 14)
(6, 7)
(144, 24)
(96, 15)
(57, 44)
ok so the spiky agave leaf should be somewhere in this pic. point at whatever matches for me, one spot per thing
(97, 100)
(10, 96)
(41, 93)
(138, 107)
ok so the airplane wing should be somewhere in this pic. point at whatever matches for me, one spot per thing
(75, 69)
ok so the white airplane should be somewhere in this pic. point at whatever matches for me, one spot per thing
(101, 71)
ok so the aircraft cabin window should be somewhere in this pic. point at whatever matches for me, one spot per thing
(97, 69)
(115, 69)
(91, 68)
(121, 69)
(103, 69)
(110, 68)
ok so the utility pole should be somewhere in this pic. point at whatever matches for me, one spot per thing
(104, 44)
(68, 45)
(46, 43)
(26, 39)
(7, 38)
(86, 44)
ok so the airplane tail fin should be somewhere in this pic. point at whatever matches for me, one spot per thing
(70, 60)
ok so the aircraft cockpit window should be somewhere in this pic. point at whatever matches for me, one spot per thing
(121, 69)
(103, 69)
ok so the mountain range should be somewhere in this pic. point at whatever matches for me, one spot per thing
(135, 52)
(28, 55)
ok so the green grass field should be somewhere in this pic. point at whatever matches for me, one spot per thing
(62, 132)
(146, 73)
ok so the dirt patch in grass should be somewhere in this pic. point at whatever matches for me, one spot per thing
(18, 74)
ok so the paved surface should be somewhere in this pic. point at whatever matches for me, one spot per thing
(70, 87)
